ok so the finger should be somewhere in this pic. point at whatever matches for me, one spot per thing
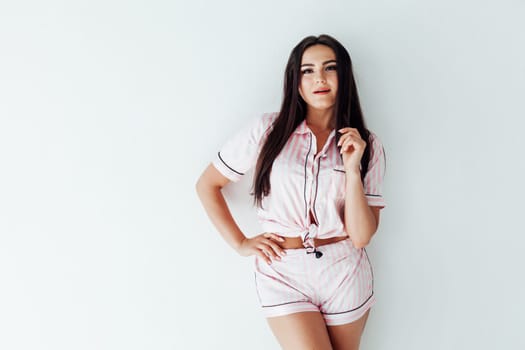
(266, 249)
(346, 129)
(344, 137)
(347, 144)
(273, 250)
(356, 143)
(274, 236)
(354, 132)
(263, 256)
(276, 248)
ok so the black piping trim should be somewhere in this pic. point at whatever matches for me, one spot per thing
(372, 273)
(328, 313)
(229, 167)
(373, 195)
(371, 270)
(304, 193)
(341, 171)
(343, 312)
(290, 302)
(316, 187)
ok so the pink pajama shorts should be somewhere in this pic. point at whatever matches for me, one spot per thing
(339, 284)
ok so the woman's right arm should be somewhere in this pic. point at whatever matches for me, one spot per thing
(208, 187)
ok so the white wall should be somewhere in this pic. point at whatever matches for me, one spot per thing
(110, 110)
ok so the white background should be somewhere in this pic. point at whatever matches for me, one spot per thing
(110, 110)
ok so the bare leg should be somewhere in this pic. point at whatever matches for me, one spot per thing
(348, 336)
(302, 330)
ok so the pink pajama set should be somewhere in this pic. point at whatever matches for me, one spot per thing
(307, 199)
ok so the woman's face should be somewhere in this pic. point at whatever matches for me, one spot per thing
(318, 81)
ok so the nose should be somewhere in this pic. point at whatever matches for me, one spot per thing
(320, 78)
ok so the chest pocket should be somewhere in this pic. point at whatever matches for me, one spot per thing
(338, 182)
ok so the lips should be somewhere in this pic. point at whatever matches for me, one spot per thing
(323, 91)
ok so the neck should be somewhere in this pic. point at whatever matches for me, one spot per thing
(320, 120)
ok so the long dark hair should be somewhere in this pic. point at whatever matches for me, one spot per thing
(347, 111)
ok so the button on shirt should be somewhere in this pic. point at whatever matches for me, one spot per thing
(307, 193)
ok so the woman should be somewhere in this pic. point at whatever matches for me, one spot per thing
(317, 187)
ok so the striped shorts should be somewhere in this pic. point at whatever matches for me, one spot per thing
(339, 284)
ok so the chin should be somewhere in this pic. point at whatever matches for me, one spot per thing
(322, 106)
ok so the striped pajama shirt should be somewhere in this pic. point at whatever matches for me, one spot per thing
(307, 199)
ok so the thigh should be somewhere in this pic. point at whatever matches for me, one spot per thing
(348, 336)
(301, 330)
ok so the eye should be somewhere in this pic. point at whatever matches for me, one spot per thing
(306, 70)
(334, 67)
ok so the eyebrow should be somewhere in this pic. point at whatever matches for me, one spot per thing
(325, 62)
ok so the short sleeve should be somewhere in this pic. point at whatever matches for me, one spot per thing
(373, 181)
(239, 153)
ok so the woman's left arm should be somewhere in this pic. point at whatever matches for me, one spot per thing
(361, 220)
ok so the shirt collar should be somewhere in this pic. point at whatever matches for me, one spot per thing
(302, 128)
